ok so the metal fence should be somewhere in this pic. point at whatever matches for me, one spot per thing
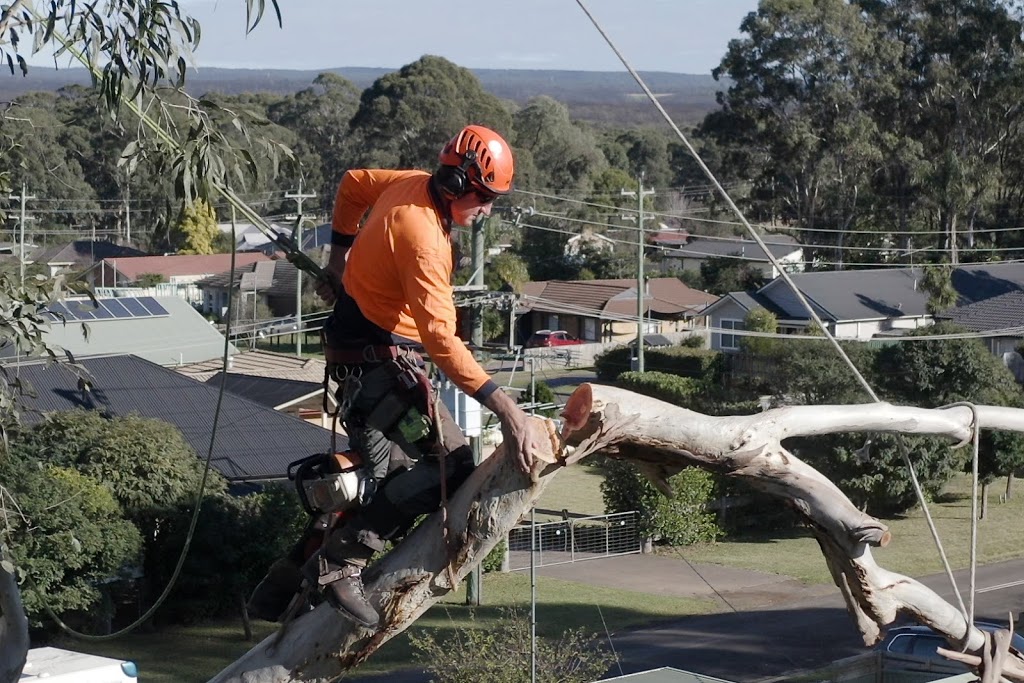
(573, 540)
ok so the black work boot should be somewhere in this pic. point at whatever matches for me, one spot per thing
(270, 600)
(337, 570)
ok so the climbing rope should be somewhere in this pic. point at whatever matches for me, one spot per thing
(785, 276)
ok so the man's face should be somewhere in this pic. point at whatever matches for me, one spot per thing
(468, 207)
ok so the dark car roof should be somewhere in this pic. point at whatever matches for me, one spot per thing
(1017, 641)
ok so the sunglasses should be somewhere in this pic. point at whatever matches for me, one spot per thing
(484, 197)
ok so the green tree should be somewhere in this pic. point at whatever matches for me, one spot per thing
(502, 654)
(938, 282)
(760, 320)
(679, 520)
(69, 538)
(405, 117)
(552, 151)
(721, 275)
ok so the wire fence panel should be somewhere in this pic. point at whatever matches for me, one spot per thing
(573, 540)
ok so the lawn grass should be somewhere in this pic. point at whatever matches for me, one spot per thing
(187, 654)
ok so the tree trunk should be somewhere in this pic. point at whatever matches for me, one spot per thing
(662, 438)
(983, 508)
(13, 624)
(1009, 487)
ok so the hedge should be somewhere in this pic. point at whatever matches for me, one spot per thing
(702, 364)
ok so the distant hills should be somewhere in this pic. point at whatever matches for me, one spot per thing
(597, 96)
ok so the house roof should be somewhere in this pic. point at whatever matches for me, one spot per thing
(253, 442)
(704, 247)
(853, 294)
(82, 250)
(169, 333)
(181, 264)
(260, 364)
(666, 674)
(748, 301)
(268, 391)
(665, 296)
(276, 278)
(980, 281)
(998, 313)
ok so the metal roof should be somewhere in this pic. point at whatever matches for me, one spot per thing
(82, 250)
(778, 245)
(853, 294)
(267, 391)
(181, 336)
(666, 674)
(253, 442)
(181, 264)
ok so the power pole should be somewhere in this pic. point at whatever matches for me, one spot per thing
(21, 226)
(298, 197)
(128, 215)
(640, 285)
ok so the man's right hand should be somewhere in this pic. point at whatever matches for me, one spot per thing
(328, 287)
(519, 440)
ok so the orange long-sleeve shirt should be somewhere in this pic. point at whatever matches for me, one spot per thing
(400, 266)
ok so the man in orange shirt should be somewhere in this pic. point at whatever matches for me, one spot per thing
(397, 297)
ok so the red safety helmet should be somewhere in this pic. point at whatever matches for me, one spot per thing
(476, 158)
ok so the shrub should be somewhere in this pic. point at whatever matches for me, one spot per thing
(495, 558)
(680, 520)
(673, 389)
(502, 654)
(684, 361)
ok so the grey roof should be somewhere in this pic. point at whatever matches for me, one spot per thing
(778, 245)
(273, 277)
(253, 442)
(183, 336)
(999, 312)
(980, 281)
(82, 250)
(267, 391)
(853, 294)
(748, 301)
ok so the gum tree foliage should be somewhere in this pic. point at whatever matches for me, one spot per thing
(196, 231)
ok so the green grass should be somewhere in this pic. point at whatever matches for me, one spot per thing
(183, 654)
(194, 653)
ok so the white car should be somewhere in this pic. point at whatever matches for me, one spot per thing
(53, 665)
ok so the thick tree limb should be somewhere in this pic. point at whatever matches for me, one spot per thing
(662, 438)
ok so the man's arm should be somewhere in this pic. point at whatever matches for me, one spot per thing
(328, 289)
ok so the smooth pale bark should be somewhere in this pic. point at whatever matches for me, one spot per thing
(661, 439)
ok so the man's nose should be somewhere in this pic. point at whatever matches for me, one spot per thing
(487, 208)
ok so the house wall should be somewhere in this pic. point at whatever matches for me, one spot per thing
(728, 315)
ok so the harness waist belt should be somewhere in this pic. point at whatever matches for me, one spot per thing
(366, 354)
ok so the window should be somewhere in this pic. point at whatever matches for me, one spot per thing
(552, 321)
(590, 329)
(730, 341)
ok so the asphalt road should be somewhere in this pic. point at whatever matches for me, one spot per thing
(806, 631)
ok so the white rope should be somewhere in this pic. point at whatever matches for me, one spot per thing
(782, 273)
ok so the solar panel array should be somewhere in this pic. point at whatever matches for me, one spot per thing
(120, 308)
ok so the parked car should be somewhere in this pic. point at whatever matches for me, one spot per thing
(921, 641)
(546, 338)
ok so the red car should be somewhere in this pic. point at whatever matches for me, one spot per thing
(544, 338)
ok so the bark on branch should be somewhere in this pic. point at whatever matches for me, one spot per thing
(662, 438)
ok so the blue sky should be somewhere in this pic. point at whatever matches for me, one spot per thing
(683, 36)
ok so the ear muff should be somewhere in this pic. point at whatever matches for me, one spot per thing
(454, 180)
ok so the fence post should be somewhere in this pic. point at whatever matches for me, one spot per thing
(572, 540)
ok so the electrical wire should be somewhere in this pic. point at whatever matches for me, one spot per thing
(783, 274)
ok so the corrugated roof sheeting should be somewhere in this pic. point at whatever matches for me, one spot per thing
(253, 442)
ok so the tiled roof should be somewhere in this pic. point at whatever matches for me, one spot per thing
(666, 296)
(253, 442)
(998, 313)
(260, 364)
(82, 250)
(182, 264)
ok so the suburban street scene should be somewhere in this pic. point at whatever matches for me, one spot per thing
(560, 342)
